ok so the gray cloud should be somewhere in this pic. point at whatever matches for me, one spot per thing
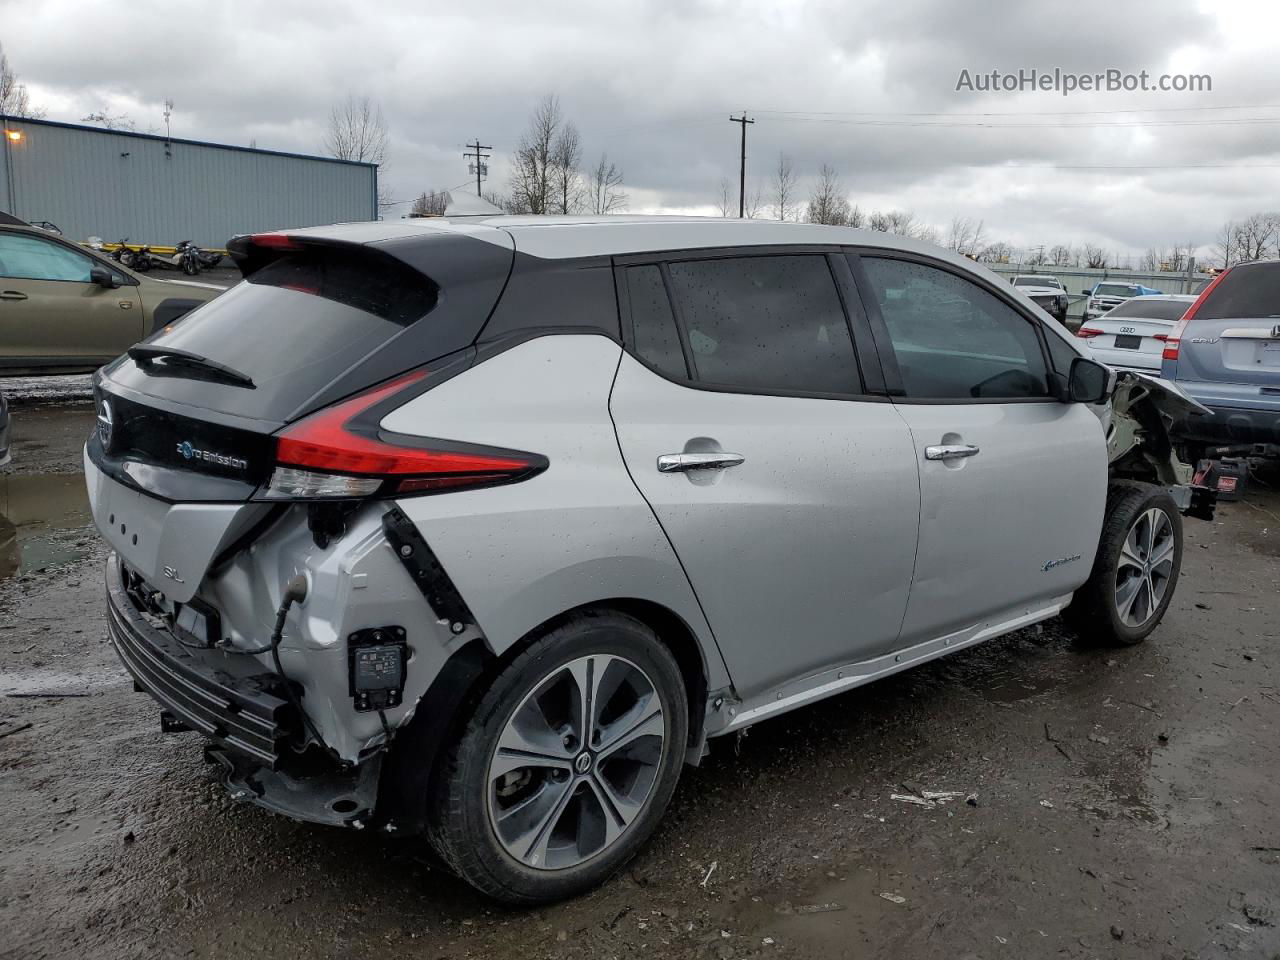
(653, 84)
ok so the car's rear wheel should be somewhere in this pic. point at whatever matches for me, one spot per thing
(1136, 569)
(566, 763)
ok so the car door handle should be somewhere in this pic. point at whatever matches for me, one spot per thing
(950, 451)
(12, 295)
(681, 462)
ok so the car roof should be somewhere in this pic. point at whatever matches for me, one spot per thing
(560, 237)
(1177, 297)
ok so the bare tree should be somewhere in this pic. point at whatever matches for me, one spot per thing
(1095, 257)
(1225, 244)
(726, 198)
(431, 204)
(753, 204)
(118, 121)
(566, 158)
(903, 223)
(998, 252)
(533, 176)
(828, 202)
(784, 190)
(1257, 236)
(607, 195)
(1060, 255)
(14, 99)
(358, 131)
(856, 217)
(965, 236)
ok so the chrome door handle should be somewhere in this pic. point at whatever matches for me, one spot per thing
(950, 451)
(12, 295)
(680, 462)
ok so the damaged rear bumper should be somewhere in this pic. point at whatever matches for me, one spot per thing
(243, 712)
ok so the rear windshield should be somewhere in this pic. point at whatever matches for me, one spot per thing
(1245, 292)
(299, 322)
(1151, 309)
(1115, 290)
(1035, 282)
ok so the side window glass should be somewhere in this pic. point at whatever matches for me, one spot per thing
(32, 258)
(766, 323)
(951, 338)
(656, 340)
(1060, 352)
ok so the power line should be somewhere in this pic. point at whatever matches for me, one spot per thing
(1019, 113)
(742, 169)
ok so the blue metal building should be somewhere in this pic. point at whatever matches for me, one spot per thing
(90, 181)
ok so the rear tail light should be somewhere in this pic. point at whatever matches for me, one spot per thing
(341, 452)
(1174, 337)
(1085, 333)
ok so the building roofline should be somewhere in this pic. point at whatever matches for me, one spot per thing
(190, 143)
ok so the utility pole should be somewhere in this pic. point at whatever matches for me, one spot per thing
(742, 168)
(479, 167)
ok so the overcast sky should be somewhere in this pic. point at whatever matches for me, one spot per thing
(869, 88)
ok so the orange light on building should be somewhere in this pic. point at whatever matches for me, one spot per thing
(14, 135)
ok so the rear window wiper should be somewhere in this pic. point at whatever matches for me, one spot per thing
(143, 354)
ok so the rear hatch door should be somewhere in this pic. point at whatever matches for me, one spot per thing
(186, 423)
(1233, 339)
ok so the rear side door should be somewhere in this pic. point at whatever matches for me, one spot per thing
(1012, 481)
(52, 314)
(1228, 353)
(786, 486)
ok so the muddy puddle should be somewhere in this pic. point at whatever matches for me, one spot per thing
(44, 509)
(43, 520)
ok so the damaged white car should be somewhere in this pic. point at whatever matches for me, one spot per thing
(480, 529)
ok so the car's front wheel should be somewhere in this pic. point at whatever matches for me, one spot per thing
(1136, 569)
(566, 763)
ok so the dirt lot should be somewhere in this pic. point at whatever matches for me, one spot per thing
(1124, 802)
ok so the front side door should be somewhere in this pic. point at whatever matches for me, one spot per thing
(52, 314)
(789, 495)
(1012, 481)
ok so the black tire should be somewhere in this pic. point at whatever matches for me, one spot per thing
(458, 815)
(1095, 609)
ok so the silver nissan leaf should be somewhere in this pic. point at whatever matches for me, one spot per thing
(479, 529)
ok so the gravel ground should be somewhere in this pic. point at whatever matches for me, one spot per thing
(1123, 801)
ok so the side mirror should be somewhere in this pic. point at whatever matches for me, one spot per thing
(103, 277)
(1086, 292)
(1089, 381)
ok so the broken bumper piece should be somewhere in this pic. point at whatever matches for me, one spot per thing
(243, 712)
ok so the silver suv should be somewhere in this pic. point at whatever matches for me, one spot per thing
(482, 529)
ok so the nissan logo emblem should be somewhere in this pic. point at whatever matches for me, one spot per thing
(106, 425)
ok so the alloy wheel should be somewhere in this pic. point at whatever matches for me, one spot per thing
(576, 762)
(1145, 567)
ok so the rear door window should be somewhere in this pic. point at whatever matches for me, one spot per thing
(767, 323)
(653, 325)
(951, 338)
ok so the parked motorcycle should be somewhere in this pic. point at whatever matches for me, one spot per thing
(189, 257)
(122, 254)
